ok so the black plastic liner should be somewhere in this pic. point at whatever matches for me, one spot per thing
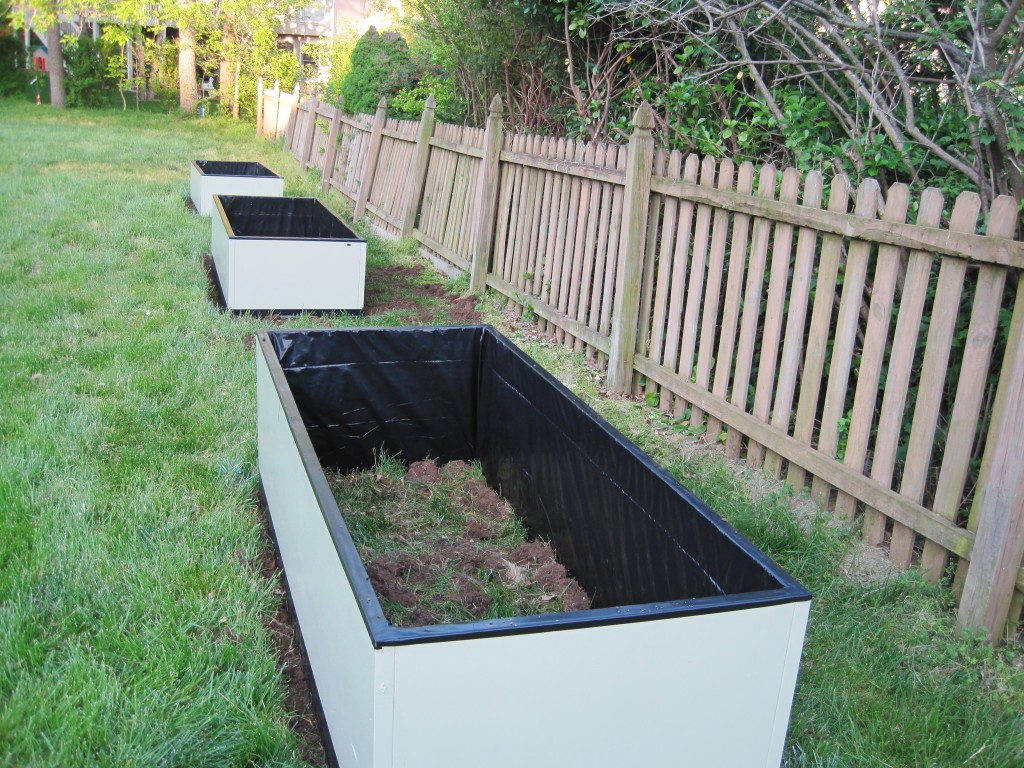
(286, 218)
(629, 532)
(233, 168)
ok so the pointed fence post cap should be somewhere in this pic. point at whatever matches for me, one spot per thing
(430, 103)
(382, 104)
(497, 106)
(644, 117)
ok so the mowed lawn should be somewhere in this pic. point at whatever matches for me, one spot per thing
(132, 606)
(131, 603)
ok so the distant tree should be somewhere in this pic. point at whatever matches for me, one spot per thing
(45, 15)
(906, 90)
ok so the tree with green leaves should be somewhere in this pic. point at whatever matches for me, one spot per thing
(907, 90)
(380, 67)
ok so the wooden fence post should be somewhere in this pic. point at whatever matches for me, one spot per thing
(307, 141)
(271, 130)
(259, 106)
(372, 153)
(635, 205)
(234, 102)
(999, 501)
(291, 120)
(486, 199)
(332, 146)
(418, 168)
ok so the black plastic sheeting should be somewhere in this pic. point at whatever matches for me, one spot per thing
(629, 532)
(286, 218)
(233, 168)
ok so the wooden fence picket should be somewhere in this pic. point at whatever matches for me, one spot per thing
(796, 319)
(771, 328)
(757, 260)
(818, 331)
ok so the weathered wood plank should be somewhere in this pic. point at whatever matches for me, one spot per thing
(695, 287)
(970, 390)
(750, 317)
(712, 294)
(876, 338)
(901, 363)
(845, 337)
(733, 295)
(818, 334)
(945, 310)
(774, 311)
(680, 267)
(796, 321)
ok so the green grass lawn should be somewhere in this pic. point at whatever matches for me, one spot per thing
(131, 612)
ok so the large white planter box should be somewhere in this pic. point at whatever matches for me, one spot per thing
(227, 177)
(285, 254)
(689, 657)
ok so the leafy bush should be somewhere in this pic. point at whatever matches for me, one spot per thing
(380, 67)
(88, 80)
(12, 65)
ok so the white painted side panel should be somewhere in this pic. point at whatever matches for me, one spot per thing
(700, 691)
(203, 187)
(220, 244)
(291, 274)
(339, 648)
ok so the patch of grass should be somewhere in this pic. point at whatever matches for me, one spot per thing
(131, 625)
(886, 679)
(441, 547)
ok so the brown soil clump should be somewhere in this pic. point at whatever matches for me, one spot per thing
(440, 546)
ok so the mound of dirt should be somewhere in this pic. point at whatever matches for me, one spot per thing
(440, 546)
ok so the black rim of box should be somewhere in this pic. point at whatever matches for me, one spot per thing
(262, 171)
(313, 202)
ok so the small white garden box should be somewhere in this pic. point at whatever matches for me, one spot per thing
(689, 656)
(229, 177)
(285, 254)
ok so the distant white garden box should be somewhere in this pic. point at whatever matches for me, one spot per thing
(225, 177)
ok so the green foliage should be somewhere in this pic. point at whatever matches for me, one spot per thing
(89, 81)
(333, 63)
(380, 67)
(12, 59)
(450, 104)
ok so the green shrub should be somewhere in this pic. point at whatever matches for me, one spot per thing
(12, 65)
(380, 67)
(88, 82)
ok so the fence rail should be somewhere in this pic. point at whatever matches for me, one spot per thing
(874, 360)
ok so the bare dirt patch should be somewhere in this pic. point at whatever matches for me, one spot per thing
(440, 546)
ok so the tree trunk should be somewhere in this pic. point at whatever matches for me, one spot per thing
(187, 95)
(226, 87)
(55, 65)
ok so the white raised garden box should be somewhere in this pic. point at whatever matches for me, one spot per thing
(689, 656)
(286, 254)
(228, 177)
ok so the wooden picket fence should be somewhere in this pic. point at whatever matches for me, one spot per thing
(856, 354)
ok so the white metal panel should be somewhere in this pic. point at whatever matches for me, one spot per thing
(339, 649)
(220, 245)
(296, 274)
(203, 186)
(701, 691)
